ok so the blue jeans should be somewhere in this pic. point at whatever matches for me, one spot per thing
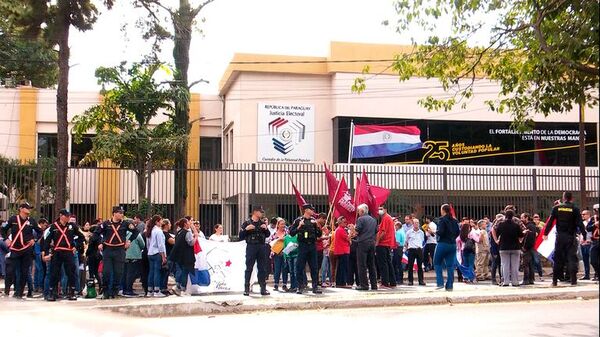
(469, 264)
(326, 269)
(444, 257)
(342, 276)
(47, 279)
(291, 263)
(585, 254)
(537, 263)
(38, 279)
(280, 270)
(154, 279)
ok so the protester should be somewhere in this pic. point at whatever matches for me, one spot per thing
(333, 263)
(483, 252)
(182, 254)
(290, 256)
(585, 244)
(528, 251)
(169, 268)
(398, 252)
(93, 255)
(430, 229)
(157, 255)
(509, 242)
(445, 251)
(218, 235)
(366, 230)
(321, 219)
(384, 242)
(342, 254)
(495, 253)
(593, 227)
(133, 263)
(277, 245)
(326, 266)
(466, 243)
(414, 244)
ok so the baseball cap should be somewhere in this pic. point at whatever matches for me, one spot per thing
(307, 206)
(64, 212)
(25, 204)
(118, 209)
(258, 209)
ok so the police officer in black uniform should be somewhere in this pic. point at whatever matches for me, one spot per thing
(61, 243)
(255, 232)
(568, 220)
(112, 235)
(18, 236)
(308, 233)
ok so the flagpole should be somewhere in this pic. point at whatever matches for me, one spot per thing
(333, 201)
(351, 141)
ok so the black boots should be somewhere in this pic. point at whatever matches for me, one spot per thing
(51, 297)
(247, 290)
(263, 290)
(71, 294)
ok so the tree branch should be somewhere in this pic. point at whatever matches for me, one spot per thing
(157, 3)
(196, 82)
(197, 10)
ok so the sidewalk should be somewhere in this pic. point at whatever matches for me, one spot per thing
(212, 304)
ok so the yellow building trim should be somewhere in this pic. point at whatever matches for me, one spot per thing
(109, 177)
(340, 53)
(28, 104)
(193, 175)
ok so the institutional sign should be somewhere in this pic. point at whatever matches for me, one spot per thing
(286, 133)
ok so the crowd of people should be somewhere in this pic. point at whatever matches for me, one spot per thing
(61, 259)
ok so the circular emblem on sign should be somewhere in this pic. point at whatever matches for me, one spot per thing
(386, 136)
(286, 134)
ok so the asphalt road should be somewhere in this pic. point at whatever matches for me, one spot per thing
(539, 319)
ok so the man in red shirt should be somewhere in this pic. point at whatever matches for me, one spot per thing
(385, 242)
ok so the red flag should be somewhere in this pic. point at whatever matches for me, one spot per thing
(373, 196)
(299, 198)
(197, 248)
(332, 183)
(343, 203)
(452, 211)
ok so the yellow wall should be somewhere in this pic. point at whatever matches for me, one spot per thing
(28, 101)
(193, 175)
(107, 187)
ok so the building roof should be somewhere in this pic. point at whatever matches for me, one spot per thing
(344, 57)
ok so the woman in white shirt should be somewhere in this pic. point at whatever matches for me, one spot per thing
(157, 255)
(218, 235)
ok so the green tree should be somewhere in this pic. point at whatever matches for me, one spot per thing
(543, 55)
(176, 24)
(23, 59)
(122, 122)
(52, 22)
(22, 180)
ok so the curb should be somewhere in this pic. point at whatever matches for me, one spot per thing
(236, 307)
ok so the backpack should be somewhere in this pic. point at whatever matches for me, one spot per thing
(469, 246)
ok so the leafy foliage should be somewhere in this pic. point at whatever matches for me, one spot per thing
(124, 132)
(19, 180)
(543, 54)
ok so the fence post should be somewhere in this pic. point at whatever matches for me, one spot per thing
(445, 183)
(253, 185)
(351, 179)
(534, 188)
(38, 188)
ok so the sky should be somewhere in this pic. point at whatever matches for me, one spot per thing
(283, 27)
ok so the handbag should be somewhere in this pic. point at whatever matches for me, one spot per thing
(277, 246)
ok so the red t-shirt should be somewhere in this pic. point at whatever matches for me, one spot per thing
(342, 246)
(387, 225)
(319, 244)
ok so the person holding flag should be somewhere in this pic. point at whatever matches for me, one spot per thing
(308, 232)
(568, 220)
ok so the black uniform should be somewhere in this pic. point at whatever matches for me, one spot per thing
(255, 251)
(307, 250)
(21, 249)
(568, 221)
(112, 236)
(62, 241)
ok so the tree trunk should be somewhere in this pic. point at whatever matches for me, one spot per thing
(141, 184)
(182, 23)
(582, 187)
(63, 24)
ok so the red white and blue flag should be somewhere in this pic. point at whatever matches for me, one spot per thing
(370, 141)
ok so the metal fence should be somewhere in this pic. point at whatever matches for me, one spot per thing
(225, 195)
